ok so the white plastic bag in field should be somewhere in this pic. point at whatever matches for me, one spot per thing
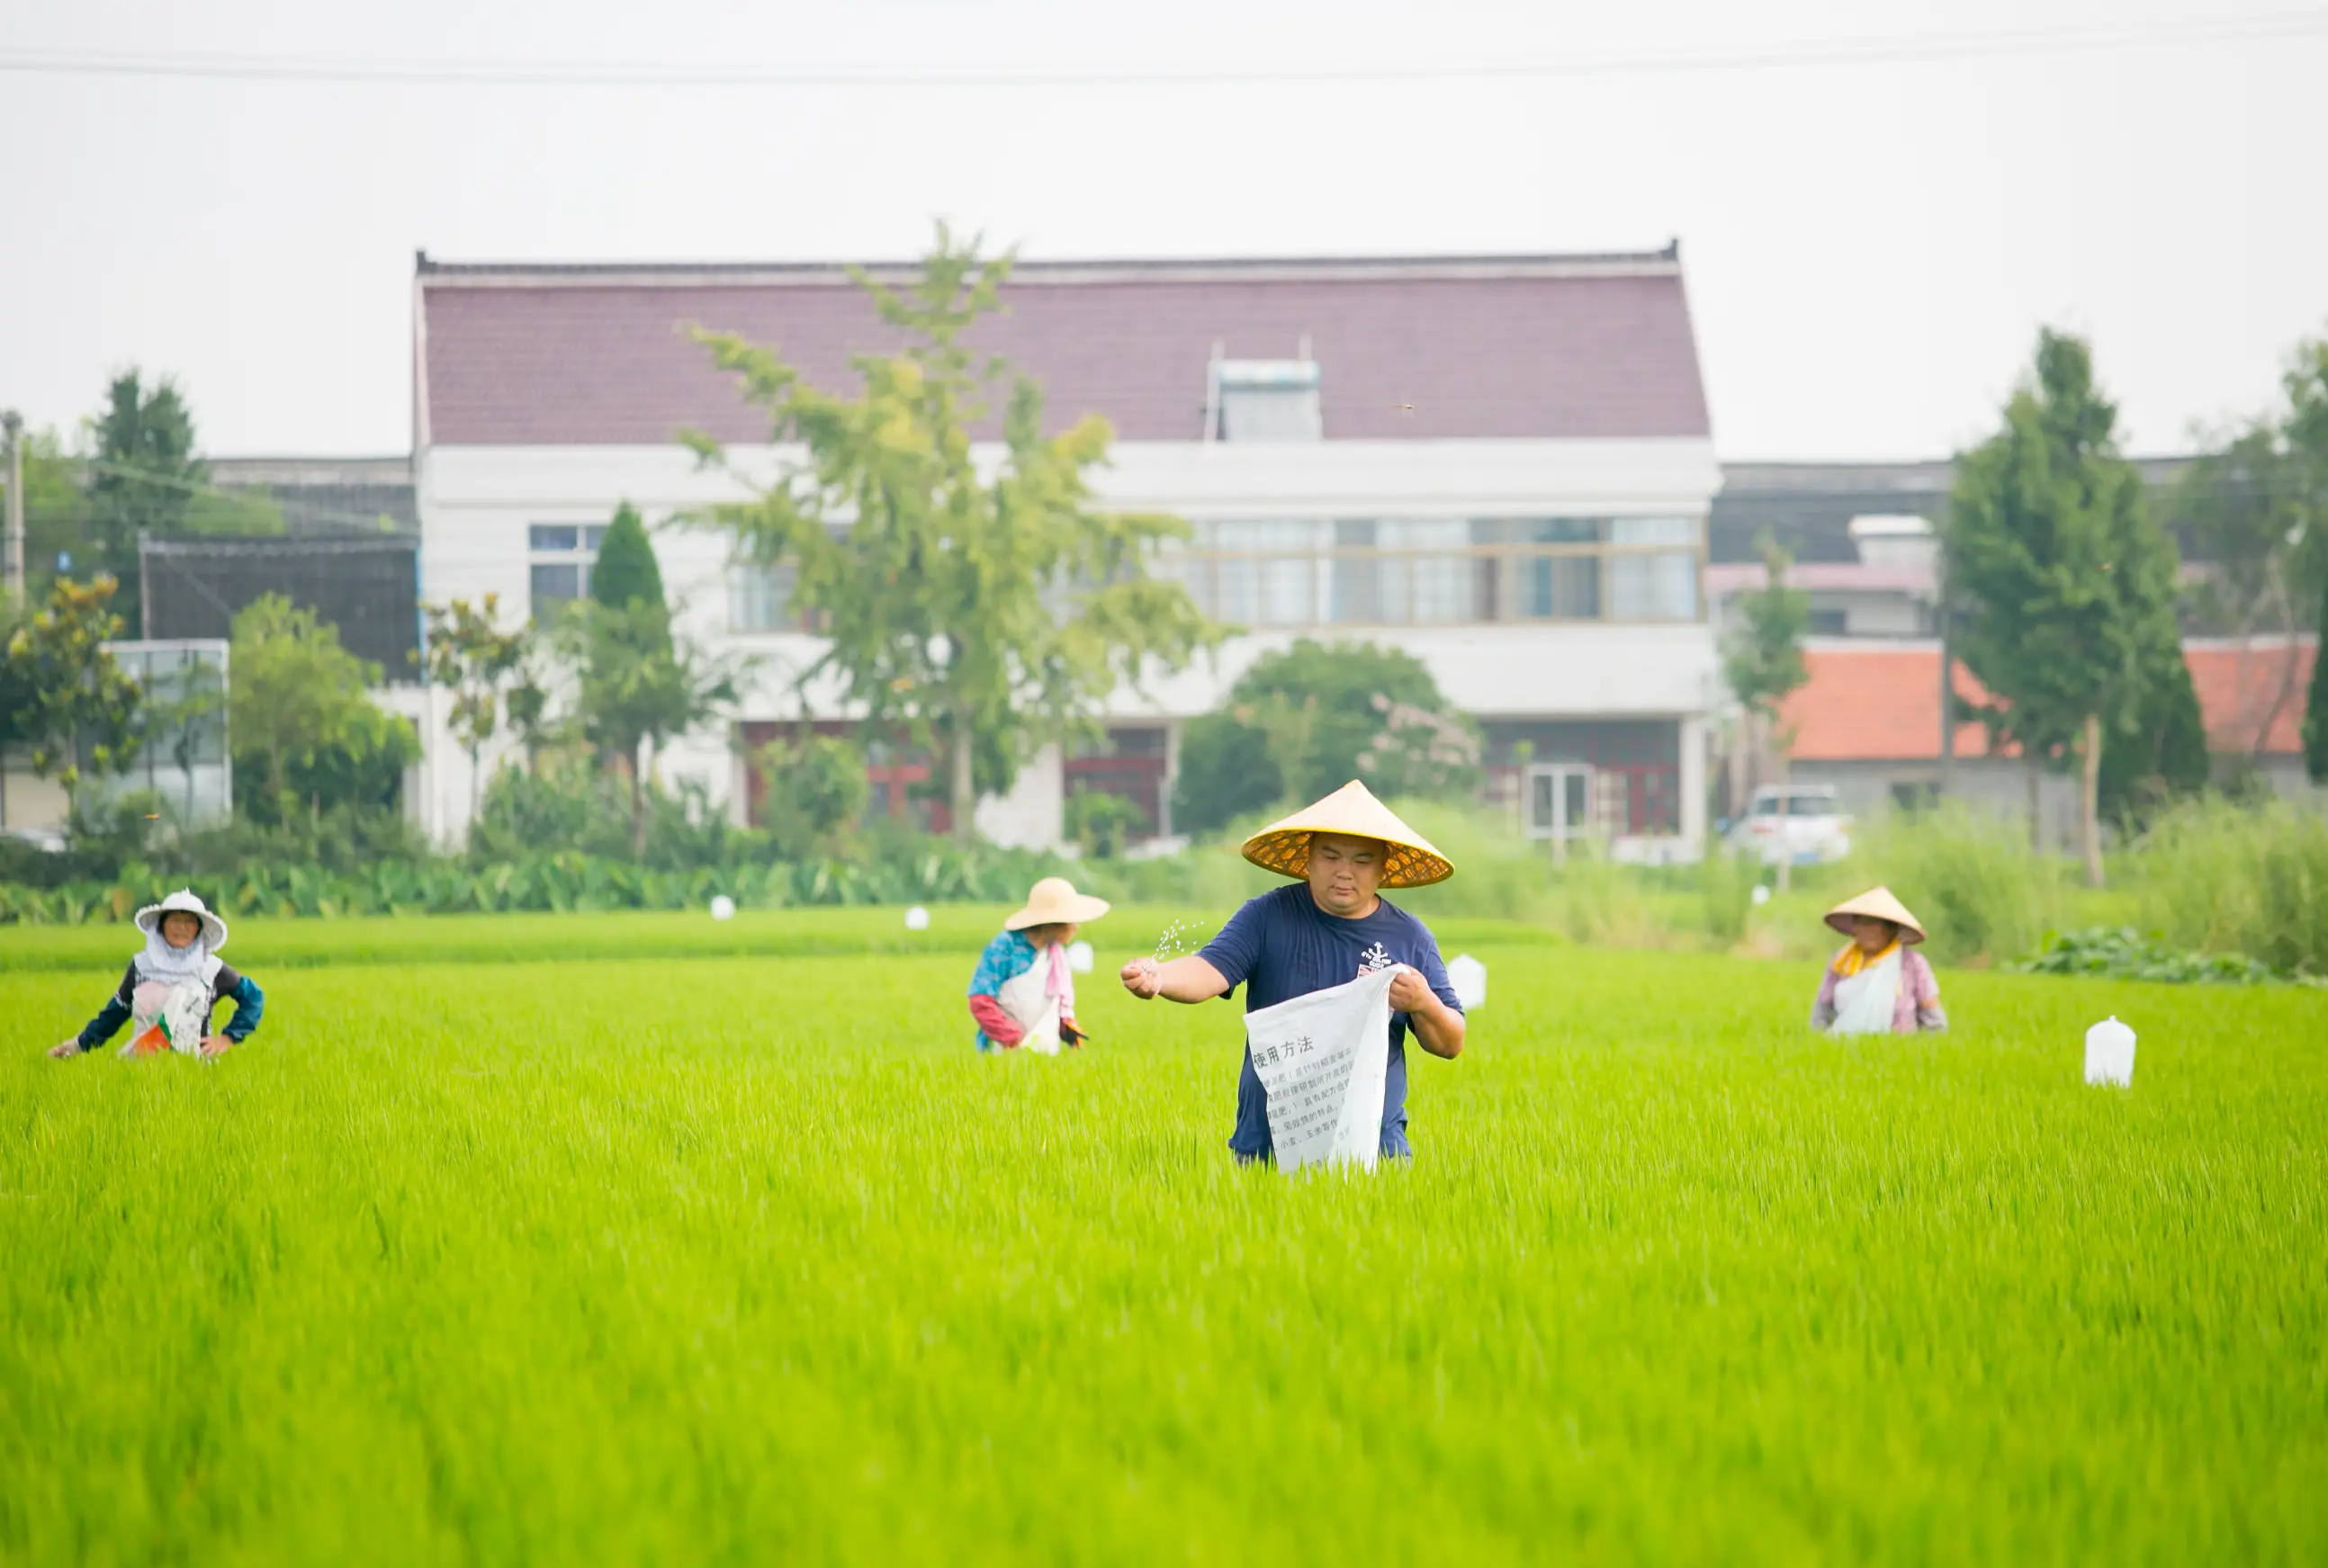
(163, 1017)
(2110, 1053)
(1026, 998)
(1323, 1058)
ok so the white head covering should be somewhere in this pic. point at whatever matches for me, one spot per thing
(196, 963)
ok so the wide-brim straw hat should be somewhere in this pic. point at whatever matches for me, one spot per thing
(1880, 903)
(1054, 902)
(183, 901)
(1353, 811)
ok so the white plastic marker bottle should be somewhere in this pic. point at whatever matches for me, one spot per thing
(2110, 1053)
(1468, 976)
(723, 907)
(918, 919)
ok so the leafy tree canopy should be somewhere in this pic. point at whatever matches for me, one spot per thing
(2065, 585)
(626, 573)
(983, 606)
(1305, 720)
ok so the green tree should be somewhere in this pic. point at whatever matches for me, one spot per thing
(2065, 584)
(56, 514)
(626, 572)
(1762, 656)
(1304, 720)
(67, 698)
(2245, 507)
(816, 794)
(470, 656)
(298, 704)
(637, 688)
(2315, 712)
(2163, 754)
(142, 474)
(1100, 823)
(982, 610)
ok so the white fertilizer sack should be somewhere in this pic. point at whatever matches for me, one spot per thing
(1323, 1058)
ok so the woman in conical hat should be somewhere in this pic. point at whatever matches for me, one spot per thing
(1877, 984)
(1327, 928)
(173, 986)
(1023, 991)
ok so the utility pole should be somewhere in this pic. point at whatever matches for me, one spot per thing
(14, 425)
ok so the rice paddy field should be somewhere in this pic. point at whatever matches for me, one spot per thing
(643, 1239)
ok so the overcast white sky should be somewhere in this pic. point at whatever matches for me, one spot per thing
(1869, 247)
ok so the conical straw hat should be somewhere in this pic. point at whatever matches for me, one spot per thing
(1283, 847)
(1880, 903)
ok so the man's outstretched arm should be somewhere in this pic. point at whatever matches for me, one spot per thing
(1189, 979)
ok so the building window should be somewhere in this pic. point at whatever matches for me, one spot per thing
(1438, 572)
(760, 599)
(560, 555)
(1659, 586)
(1266, 400)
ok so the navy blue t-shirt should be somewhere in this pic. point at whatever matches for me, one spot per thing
(1281, 946)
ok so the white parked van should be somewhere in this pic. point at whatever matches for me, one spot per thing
(1796, 822)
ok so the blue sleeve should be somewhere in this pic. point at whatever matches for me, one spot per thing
(112, 1015)
(1434, 970)
(998, 965)
(1237, 948)
(249, 1006)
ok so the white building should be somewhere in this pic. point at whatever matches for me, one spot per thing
(1502, 464)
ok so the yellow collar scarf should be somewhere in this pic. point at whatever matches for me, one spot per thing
(1852, 960)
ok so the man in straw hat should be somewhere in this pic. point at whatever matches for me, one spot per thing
(1326, 929)
(1876, 985)
(173, 986)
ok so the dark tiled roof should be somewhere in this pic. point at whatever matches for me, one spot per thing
(1596, 346)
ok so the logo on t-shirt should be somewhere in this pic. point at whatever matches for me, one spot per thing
(1373, 960)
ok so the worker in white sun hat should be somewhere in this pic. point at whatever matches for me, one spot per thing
(173, 986)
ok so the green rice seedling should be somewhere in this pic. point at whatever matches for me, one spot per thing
(746, 1258)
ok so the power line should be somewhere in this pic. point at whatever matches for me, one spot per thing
(1901, 48)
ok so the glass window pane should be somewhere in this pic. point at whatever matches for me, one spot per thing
(593, 536)
(760, 598)
(1557, 588)
(1427, 588)
(555, 583)
(1653, 531)
(1557, 531)
(1653, 587)
(551, 537)
(1357, 579)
